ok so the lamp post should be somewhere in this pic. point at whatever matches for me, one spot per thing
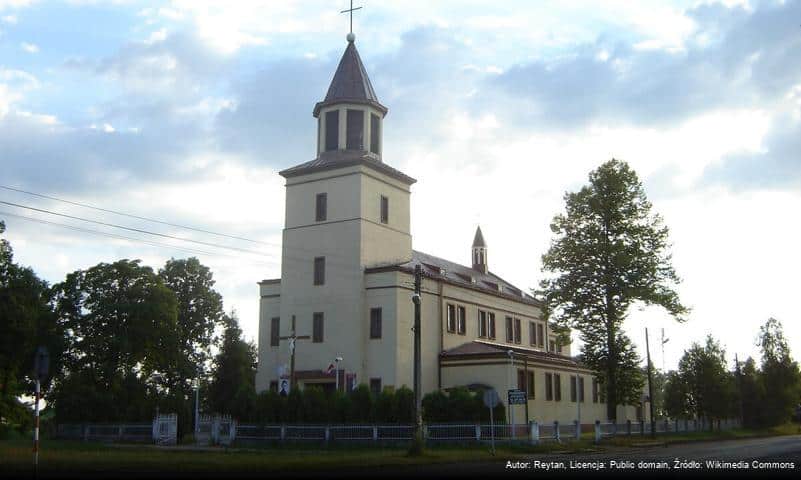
(511, 377)
(336, 361)
(197, 403)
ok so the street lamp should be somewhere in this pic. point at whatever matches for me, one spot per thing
(337, 360)
(511, 353)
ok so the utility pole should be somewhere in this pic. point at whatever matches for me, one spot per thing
(417, 444)
(197, 404)
(650, 386)
(739, 386)
(41, 365)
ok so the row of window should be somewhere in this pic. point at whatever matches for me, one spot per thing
(318, 321)
(553, 387)
(354, 131)
(321, 208)
(455, 323)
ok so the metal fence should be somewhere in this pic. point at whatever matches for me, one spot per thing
(129, 432)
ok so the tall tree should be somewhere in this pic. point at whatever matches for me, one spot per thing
(120, 323)
(26, 322)
(781, 379)
(233, 387)
(710, 388)
(609, 251)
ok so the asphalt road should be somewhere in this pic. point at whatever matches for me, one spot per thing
(762, 457)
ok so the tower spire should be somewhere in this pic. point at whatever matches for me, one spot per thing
(480, 252)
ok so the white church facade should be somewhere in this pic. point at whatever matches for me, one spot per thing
(347, 276)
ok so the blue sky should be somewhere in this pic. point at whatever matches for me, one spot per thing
(185, 110)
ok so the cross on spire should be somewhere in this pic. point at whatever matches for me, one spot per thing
(351, 10)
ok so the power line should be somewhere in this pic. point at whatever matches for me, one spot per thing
(137, 230)
(84, 205)
(122, 237)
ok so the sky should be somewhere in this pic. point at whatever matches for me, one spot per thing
(185, 111)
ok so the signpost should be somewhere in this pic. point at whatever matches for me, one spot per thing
(517, 397)
(491, 401)
(41, 365)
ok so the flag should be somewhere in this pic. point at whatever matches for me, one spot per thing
(330, 369)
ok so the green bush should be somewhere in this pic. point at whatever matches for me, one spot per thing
(459, 405)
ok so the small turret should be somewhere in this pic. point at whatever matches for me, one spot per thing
(480, 252)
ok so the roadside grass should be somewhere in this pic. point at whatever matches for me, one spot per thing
(63, 455)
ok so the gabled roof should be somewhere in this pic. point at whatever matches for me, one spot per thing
(350, 83)
(478, 240)
(345, 158)
(441, 269)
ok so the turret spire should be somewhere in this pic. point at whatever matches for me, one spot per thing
(480, 252)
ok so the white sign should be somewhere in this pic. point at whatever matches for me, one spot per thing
(284, 387)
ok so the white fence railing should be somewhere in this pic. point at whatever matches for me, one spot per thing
(161, 430)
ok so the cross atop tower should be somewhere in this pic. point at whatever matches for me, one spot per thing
(350, 10)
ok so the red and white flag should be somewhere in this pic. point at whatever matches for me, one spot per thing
(330, 369)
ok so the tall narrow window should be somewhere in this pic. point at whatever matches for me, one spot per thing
(491, 325)
(551, 346)
(594, 390)
(509, 333)
(375, 323)
(573, 388)
(482, 324)
(355, 131)
(384, 209)
(375, 386)
(275, 324)
(317, 327)
(332, 130)
(581, 389)
(540, 336)
(548, 386)
(375, 133)
(521, 380)
(532, 333)
(461, 323)
(321, 207)
(557, 387)
(517, 331)
(319, 270)
(451, 320)
(530, 385)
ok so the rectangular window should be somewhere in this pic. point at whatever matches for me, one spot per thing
(517, 331)
(509, 333)
(332, 130)
(521, 380)
(482, 324)
(375, 323)
(530, 386)
(321, 207)
(384, 209)
(581, 389)
(540, 336)
(491, 323)
(532, 333)
(319, 270)
(451, 320)
(355, 131)
(548, 386)
(317, 327)
(275, 324)
(375, 386)
(594, 390)
(557, 387)
(573, 390)
(551, 346)
(375, 133)
(461, 322)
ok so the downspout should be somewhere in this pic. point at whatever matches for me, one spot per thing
(441, 338)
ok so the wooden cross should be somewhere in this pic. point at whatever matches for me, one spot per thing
(351, 10)
(292, 339)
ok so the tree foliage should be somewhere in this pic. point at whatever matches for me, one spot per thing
(609, 251)
(709, 389)
(780, 376)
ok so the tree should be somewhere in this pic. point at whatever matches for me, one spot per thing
(781, 379)
(26, 322)
(676, 396)
(233, 388)
(752, 394)
(708, 386)
(609, 251)
(119, 321)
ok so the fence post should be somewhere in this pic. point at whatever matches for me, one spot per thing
(119, 432)
(677, 425)
(628, 427)
(597, 431)
(478, 432)
(375, 433)
(578, 429)
(327, 434)
(534, 432)
(283, 433)
(614, 428)
(642, 427)
(666, 426)
(556, 435)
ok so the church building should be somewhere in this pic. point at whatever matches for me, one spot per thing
(344, 299)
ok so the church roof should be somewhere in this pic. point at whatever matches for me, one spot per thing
(478, 240)
(351, 83)
(482, 349)
(454, 273)
(345, 158)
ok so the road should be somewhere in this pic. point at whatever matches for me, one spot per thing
(751, 456)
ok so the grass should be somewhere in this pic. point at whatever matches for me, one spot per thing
(60, 456)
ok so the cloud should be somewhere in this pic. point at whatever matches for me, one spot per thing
(29, 47)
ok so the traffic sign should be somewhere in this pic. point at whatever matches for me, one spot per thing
(491, 398)
(517, 397)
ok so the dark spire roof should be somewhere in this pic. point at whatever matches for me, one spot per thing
(350, 83)
(478, 240)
